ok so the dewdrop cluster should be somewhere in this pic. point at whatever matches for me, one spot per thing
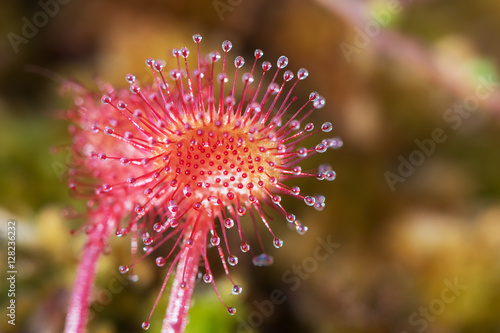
(197, 150)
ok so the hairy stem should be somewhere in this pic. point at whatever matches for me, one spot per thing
(79, 304)
(175, 320)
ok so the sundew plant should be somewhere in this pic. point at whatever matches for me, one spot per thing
(191, 158)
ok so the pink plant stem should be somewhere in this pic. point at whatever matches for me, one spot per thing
(175, 320)
(76, 319)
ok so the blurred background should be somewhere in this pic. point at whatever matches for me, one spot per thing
(412, 87)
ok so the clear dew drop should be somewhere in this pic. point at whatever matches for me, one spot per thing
(215, 240)
(330, 175)
(108, 130)
(320, 203)
(138, 113)
(123, 269)
(273, 88)
(276, 199)
(159, 64)
(319, 206)
(222, 78)
(105, 99)
(327, 127)
(157, 227)
(295, 125)
(301, 229)
(266, 66)
(245, 247)
(319, 102)
(297, 170)
(309, 200)
(287, 76)
(302, 152)
(247, 78)
(320, 148)
(336, 143)
(302, 74)
(232, 260)
(282, 62)
(262, 260)
(145, 325)
(147, 241)
(237, 289)
(197, 38)
(121, 105)
(227, 46)
(214, 56)
(172, 222)
(160, 261)
(175, 74)
(229, 223)
(134, 88)
(231, 310)
(207, 278)
(327, 142)
(258, 53)
(278, 243)
(239, 61)
(241, 211)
